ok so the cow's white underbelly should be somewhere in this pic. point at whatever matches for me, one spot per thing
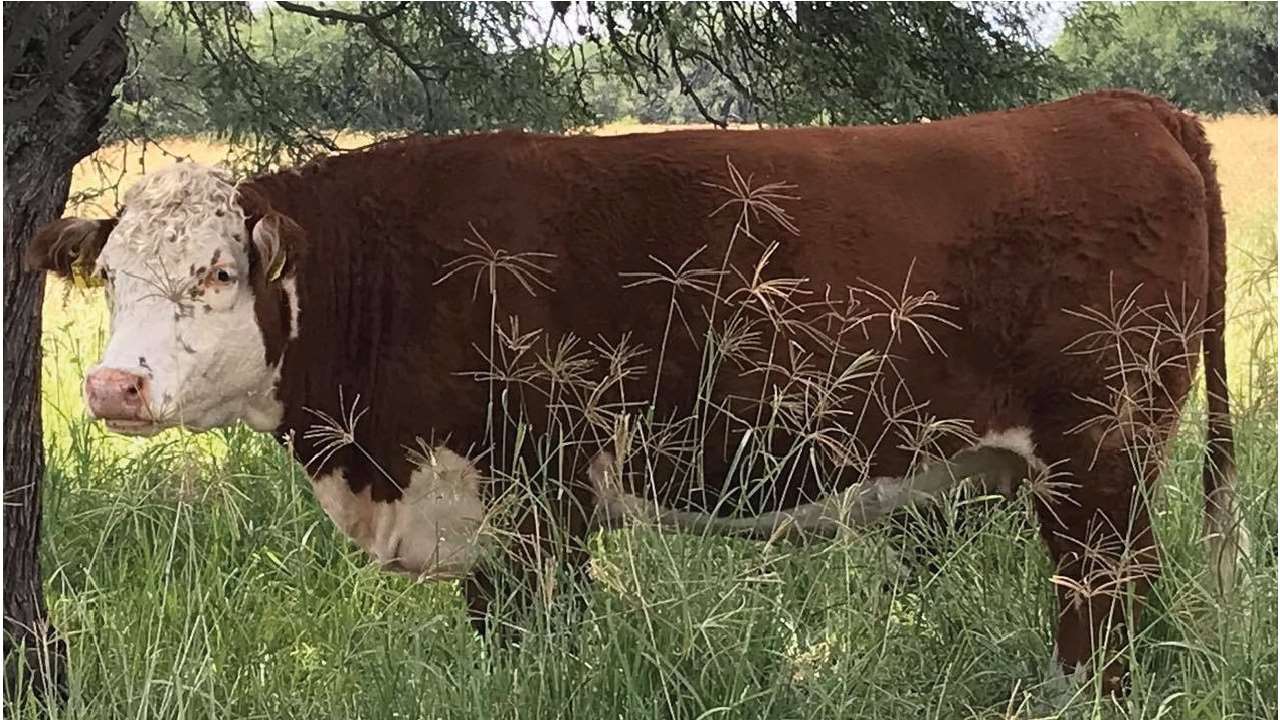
(1001, 459)
(437, 528)
(433, 531)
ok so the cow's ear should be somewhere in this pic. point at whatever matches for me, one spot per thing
(277, 245)
(69, 246)
(276, 242)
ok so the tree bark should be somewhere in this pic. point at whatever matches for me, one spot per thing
(62, 62)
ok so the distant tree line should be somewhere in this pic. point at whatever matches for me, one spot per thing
(278, 73)
(1210, 57)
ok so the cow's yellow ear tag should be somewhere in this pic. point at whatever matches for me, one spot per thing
(83, 277)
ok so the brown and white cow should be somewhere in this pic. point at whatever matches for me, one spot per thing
(766, 333)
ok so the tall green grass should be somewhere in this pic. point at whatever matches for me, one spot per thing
(195, 577)
(212, 586)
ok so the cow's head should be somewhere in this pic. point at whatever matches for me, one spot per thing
(198, 276)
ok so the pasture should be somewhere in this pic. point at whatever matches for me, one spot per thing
(195, 576)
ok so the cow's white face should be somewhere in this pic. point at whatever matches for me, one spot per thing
(183, 268)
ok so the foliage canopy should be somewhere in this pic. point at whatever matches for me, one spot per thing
(282, 77)
(287, 69)
(1210, 57)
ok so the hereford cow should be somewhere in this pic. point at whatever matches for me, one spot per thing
(484, 347)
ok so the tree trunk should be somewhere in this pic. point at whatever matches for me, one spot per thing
(61, 63)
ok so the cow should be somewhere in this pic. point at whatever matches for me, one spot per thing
(485, 347)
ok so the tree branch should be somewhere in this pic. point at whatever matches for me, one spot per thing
(687, 88)
(338, 15)
(373, 23)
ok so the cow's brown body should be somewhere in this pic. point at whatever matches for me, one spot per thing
(1009, 225)
(1012, 218)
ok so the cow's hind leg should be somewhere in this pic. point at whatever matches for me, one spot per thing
(1106, 559)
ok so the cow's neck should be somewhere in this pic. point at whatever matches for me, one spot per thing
(327, 320)
(277, 312)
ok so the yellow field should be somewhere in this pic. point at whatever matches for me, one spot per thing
(1245, 148)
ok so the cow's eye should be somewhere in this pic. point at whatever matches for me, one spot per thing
(221, 276)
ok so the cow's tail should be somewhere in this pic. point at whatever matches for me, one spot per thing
(1226, 535)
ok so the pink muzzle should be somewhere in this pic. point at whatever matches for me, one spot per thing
(116, 395)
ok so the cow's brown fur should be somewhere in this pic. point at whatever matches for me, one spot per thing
(1010, 217)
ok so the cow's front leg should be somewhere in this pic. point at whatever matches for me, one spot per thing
(543, 559)
(480, 591)
(504, 594)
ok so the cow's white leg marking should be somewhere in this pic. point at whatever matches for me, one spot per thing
(433, 531)
(1001, 459)
(1061, 688)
